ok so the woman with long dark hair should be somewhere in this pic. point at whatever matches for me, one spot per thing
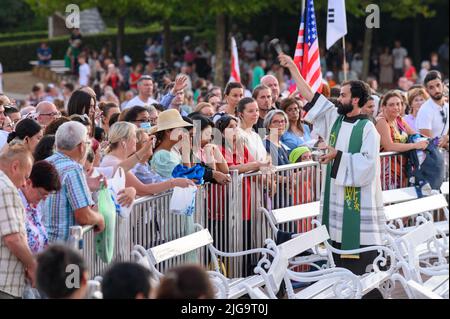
(28, 132)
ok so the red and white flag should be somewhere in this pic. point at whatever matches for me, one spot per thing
(235, 74)
(307, 57)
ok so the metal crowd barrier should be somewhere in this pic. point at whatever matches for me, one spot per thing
(229, 212)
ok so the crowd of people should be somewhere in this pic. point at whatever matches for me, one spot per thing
(58, 148)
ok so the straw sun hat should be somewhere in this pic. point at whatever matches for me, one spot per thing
(169, 119)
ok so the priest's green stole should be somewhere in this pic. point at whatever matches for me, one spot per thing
(352, 199)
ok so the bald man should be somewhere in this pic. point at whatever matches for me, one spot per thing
(46, 112)
(16, 260)
(272, 83)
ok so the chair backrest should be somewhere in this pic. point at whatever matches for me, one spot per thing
(277, 270)
(393, 196)
(180, 246)
(414, 207)
(444, 188)
(420, 292)
(303, 242)
(292, 248)
(408, 243)
(293, 213)
(419, 235)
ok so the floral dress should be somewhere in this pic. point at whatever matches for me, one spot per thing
(394, 168)
(36, 232)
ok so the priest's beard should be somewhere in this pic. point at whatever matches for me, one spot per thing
(344, 109)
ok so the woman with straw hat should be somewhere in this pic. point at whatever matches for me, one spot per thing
(170, 130)
(122, 139)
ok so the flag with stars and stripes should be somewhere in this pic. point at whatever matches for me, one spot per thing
(306, 55)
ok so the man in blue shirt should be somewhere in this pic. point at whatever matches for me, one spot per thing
(72, 205)
(44, 54)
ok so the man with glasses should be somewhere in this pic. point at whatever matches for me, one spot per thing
(432, 118)
(46, 112)
(73, 204)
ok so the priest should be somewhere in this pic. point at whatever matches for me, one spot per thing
(351, 202)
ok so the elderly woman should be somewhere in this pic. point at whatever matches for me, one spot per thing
(28, 132)
(205, 109)
(394, 132)
(43, 180)
(298, 133)
(416, 97)
(122, 139)
(276, 124)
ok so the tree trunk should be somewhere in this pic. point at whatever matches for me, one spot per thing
(368, 34)
(120, 36)
(416, 50)
(220, 50)
(167, 41)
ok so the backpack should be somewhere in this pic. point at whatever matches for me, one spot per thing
(431, 171)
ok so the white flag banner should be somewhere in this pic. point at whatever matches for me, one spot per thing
(336, 21)
(235, 74)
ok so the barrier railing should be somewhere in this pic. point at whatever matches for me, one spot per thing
(229, 212)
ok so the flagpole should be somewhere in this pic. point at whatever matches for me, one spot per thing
(345, 60)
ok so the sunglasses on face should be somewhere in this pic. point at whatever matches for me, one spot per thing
(143, 121)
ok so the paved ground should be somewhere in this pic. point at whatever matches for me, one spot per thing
(18, 84)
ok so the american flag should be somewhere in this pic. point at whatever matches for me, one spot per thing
(306, 55)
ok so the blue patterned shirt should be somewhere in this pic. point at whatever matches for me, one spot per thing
(59, 208)
(292, 140)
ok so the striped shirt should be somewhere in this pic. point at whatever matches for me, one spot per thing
(59, 208)
(12, 221)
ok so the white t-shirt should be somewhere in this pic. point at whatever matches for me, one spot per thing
(399, 55)
(250, 47)
(254, 145)
(136, 101)
(430, 117)
(3, 138)
(85, 73)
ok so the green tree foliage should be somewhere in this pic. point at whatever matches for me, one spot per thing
(13, 13)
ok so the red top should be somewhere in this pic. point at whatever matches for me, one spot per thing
(134, 78)
(113, 81)
(232, 159)
(411, 73)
